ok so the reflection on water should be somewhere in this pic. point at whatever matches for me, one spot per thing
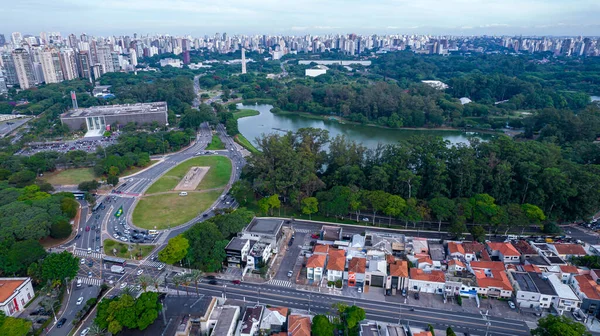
(267, 122)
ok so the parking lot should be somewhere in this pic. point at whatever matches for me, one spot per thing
(89, 146)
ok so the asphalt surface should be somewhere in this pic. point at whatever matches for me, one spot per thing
(11, 125)
(71, 309)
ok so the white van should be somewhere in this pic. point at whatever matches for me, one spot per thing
(183, 193)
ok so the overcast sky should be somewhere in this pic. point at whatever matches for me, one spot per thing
(199, 17)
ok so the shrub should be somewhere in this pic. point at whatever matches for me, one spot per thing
(459, 300)
(338, 284)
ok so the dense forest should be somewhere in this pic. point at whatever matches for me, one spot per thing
(510, 182)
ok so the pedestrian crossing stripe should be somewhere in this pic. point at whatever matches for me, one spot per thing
(91, 281)
(152, 263)
(84, 253)
(280, 283)
(302, 231)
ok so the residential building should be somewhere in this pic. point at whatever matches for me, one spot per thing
(427, 282)
(456, 266)
(273, 319)
(548, 255)
(587, 288)
(504, 251)
(336, 264)
(376, 274)
(370, 329)
(357, 267)
(525, 249)
(15, 293)
(10, 72)
(398, 271)
(457, 251)
(51, 66)
(250, 323)
(473, 250)
(267, 230)
(565, 299)
(24, 68)
(314, 267)
(395, 330)
(299, 325)
(486, 266)
(321, 249)
(223, 320)
(532, 291)
(331, 233)
(388, 243)
(417, 246)
(69, 64)
(259, 254)
(3, 87)
(84, 65)
(176, 63)
(567, 251)
(436, 252)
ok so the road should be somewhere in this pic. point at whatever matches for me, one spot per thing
(11, 125)
(388, 312)
(86, 292)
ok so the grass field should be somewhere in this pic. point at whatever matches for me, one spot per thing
(215, 143)
(239, 138)
(70, 176)
(138, 251)
(216, 177)
(169, 210)
(242, 113)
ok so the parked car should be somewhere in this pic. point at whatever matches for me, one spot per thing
(416, 295)
(161, 266)
(87, 228)
(139, 272)
(123, 285)
(213, 282)
(85, 332)
(511, 305)
(82, 261)
(404, 292)
(359, 289)
(576, 315)
(61, 322)
(236, 282)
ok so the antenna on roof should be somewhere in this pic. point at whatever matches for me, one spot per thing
(74, 100)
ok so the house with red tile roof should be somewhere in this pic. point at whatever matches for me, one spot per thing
(336, 264)
(457, 251)
(566, 251)
(587, 288)
(527, 251)
(495, 285)
(424, 263)
(299, 325)
(398, 270)
(456, 266)
(487, 266)
(357, 267)
(321, 249)
(426, 281)
(15, 293)
(504, 251)
(315, 266)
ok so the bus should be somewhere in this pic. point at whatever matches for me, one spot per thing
(114, 260)
(97, 206)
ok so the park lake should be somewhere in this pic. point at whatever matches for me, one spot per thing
(370, 136)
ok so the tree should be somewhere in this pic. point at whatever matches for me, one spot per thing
(450, 332)
(127, 312)
(59, 266)
(321, 326)
(394, 207)
(442, 208)
(310, 205)
(175, 250)
(177, 281)
(88, 185)
(144, 281)
(207, 246)
(274, 203)
(16, 258)
(61, 229)
(378, 201)
(69, 207)
(112, 179)
(242, 191)
(195, 276)
(478, 233)
(559, 326)
(13, 326)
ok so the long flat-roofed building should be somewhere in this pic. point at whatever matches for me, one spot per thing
(97, 118)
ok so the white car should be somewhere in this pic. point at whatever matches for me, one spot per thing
(139, 272)
(511, 305)
(365, 219)
(85, 332)
(123, 285)
(161, 266)
(123, 239)
(79, 301)
(89, 250)
(82, 261)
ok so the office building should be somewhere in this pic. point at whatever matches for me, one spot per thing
(16, 38)
(24, 68)
(96, 119)
(10, 72)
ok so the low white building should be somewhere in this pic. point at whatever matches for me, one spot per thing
(532, 291)
(427, 282)
(15, 293)
(316, 71)
(565, 299)
(176, 63)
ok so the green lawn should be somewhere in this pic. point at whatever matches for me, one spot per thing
(241, 113)
(138, 251)
(239, 138)
(215, 143)
(70, 176)
(169, 210)
(216, 177)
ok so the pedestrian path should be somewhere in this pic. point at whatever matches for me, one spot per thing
(163, 237)
(85, 254)
(302, 231)
(280, 283)
(91, 281)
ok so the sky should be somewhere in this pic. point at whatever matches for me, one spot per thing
(299, 17)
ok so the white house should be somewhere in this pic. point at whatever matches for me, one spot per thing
(427, 282)
(336, 264)
(565, 299)
(314, 267)
(505, 251)
(15, 293)
(251, 321)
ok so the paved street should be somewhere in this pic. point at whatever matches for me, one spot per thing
(68, 312)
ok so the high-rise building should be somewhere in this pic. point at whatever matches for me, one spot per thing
(10, 72)
(2, 40)
(133, 57)
(16, 38)
(243, 61)
(68, 64)
(24, 68)
(73, 41)
(51, 66)
(3, 87)
(84, 64)
(105, 58)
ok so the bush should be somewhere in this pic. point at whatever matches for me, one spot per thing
(338, 284)
(329, 283)
(459, 300)
(123, 249)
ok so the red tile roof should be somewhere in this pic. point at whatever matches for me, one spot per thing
(588, 286)
(299, 325)
(532, 268)
(485, 256)
(524, 248)
(570, 249)
(454, 247)
(456, 262)
(321, 249)
(498, 280)
(569, 269)
(8, 287)
(337, 260)
(507, 249)
(316, 260)
(281, 310)
(432, 276)
(423, 333)
(425, 260)
(491, 265)
(473, 247)
(399, 269)
(357, 265)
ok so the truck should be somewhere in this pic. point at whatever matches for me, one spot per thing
(117, 269)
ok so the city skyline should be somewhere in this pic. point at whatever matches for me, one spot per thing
(198, 17)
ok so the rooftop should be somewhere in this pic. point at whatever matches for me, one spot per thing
(337, 260)
(252, 315)
(436, 251)
(542, 285)
(454, 247)
(432, 276)
(264, 226)
(491, 265)
(473, 247)
(299, 325)
(8, 287)
(370, 329)
(524, 281)
(357, 265)
(320, 248)
(399, 269)
(225, 319)
(570, 249)
(563, 291)
(236, 244)
(331, 232)
(316, 260)
(506, 248)
(499, 279)
(115, 110)
(395, 330)
(588, 286)
(524, 247)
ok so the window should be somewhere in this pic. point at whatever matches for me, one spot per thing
(28, 296)
(545, 299)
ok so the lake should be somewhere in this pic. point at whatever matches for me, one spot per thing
(267, 122)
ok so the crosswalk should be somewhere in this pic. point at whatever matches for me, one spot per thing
(91, 281)
(302, 231)
(149, 263)
(84, 253)
(280, 283)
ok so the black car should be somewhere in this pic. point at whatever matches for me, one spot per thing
(211, 277)
(416, 295)
(78, 236)
(213, 282)
(136, 231)
(61, 322)
(41, 321)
